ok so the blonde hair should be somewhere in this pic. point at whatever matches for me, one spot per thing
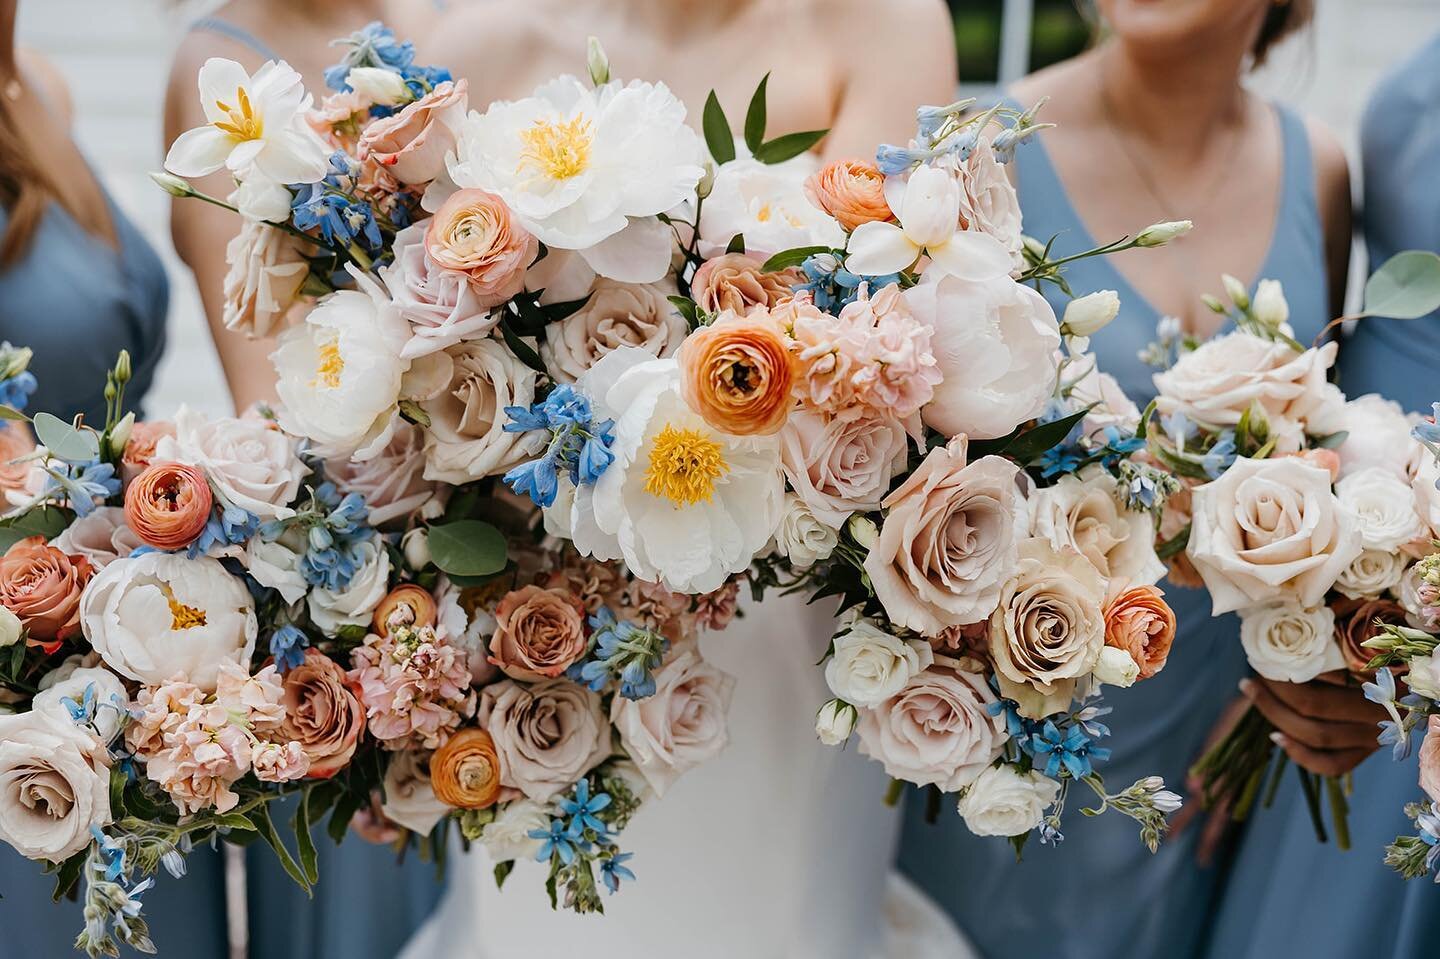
(26, 188)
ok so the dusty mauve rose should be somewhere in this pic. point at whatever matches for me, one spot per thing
(616, 315)
(140, 450)
(408, 604)
(840, 466)
(948, 540)
(681, 725)
(322, 714)
(101, 536)
(16, 442)
(735, 283)
(393, 482)
(737, 373)
(168, 505)
(42, 586)
(1430, 760)
(473, 233)
(538, 633)
(411, 144)
(466, 439)
(267, 269)
(1047, 630)
(852, 191)
(547, 735)
(465, 772)
(440, 305)
(938, 729)
(1140, 622)
(1355, 623)
(54, 785)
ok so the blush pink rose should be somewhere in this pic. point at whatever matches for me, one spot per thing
(474, 233)
(441, 306)
(392, 482)
(547, 735)
(411, 144)
(937, 729)
(735, 282)
(1430, 760)
(841, 466)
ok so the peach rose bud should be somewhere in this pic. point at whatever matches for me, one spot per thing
(852, 191)
(465, 772)
(168, 505)
(1140, 622)
(473, 233)
(737, 374)
(406, 605)
(41, 585)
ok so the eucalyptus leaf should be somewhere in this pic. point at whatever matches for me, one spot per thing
(755, 116)
(467, 547)
(1406, 287)
(789, 146)
(718, 137)
(64, 441)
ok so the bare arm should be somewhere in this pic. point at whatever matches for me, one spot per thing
(908, 60)
(1332, 195)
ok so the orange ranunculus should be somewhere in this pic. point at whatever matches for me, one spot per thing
(737, 373)
(168, 505)
(735, 282)
(465, 772)
(41, 585)
(406, 605)
(1140, 622)
(852, 191)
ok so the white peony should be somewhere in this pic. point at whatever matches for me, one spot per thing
(1002, 801)
(156, 616)
(801, 537)
(1287, 642)
(248, 461)
(507, 838)
(354, 605)
(765, 202)
(868, 665)
(1082, 513)
(54, 785)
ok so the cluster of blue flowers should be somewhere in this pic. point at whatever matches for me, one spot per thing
(376, 46)
(576, 830)
(1054, 743)
(80, 484)
(578, 445)
(620, 651)
(832, 287)
(15, 390)
(334, 525)
(331, 207)
(227, 526)
(288, 645)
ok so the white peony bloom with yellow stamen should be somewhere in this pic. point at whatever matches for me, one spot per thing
(682, 503)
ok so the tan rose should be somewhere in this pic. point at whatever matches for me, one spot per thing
(1355, 623)
(322, 714)
(841, 466)
(538, 633)
(1047, 630)
(411, 144)
(42, 586)
(735, 282)
(616, 315)
(466, 439)
(547, 735)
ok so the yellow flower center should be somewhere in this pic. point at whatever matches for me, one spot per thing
(242, 122)
(684, 465)
(330, 366)
(558, 150)
(183, 617)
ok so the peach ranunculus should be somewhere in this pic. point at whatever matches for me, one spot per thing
(474, 233)
(538, 633)
(616, 315)
(465, 772)
(1140, 622)
(411, 144)
(852, 191)
(322, 714)
(735, 282)
(140, 448)
(1355, 623)
(168, 505)
(737, 374)
(408, 604)
(1430, 760)
(42, 586)
(948, 542)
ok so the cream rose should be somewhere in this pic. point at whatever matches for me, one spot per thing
(1371, 573)
(409, 799)
(441, 306)
(617, 314)
(507, 838)
(547, 735)
(1002, 801)
(937, 729)
(1049, 627)
(1270, 527)
(948, 540)
(248, 461)
(101, 536)
(159, 615)
(868, 665)
(1377, 434)
(841, 466)
(1082, 513)
(1385, 506)
(1109, 406)
(393, 482)
(801, 537)
(1290, 643)
(54, 785)
(355, 604)
(679, 727)
(466, 439)
(267, 269)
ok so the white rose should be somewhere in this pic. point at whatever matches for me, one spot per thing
(1082, 513)
(834, 722)
(276, 565)
(681, 725)
(248, 461)
(54, 785)
(466, 439)
(1385, 506)
(101, 536)
(267, 269)
(1373, 572)
(801, 537)
(354, 605)
(159, 615)
(996, 344)
(11, 629)
(110, 698)
(616, 315)
(409, 799)
(1287, 642)
(1424, 676)
(1270, 527)
(1377, 434)
(869, 665)
(1115, 667)
(507, 838)
(1002, 801)
(1427, 494)
(766, 202)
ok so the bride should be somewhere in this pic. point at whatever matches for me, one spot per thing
(781, 847)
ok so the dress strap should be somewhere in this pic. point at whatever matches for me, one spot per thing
(1299, 168)
(230, 31)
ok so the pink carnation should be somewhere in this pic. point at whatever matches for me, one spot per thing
(279, 762)
(415, 687)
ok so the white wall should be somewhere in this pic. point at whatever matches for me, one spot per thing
(116, 52)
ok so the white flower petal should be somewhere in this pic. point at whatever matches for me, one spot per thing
(877, 249)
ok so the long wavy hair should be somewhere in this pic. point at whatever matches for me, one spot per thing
(26, 188)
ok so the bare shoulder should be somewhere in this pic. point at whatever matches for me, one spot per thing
(924, 23)
(43, 74)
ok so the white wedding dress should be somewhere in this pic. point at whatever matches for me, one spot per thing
(781, 848)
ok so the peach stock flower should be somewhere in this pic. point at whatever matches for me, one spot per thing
(42, 585)
(737, 373)
(474, 233)
(412, 143)
(465, 772)
(168, 505)
(735, 282)
(1140, 622)
(852, 191)
(406, 605)
(538, 633)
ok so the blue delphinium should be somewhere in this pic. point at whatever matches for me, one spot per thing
(374, 45)
(15, 390)
(1220, 456)
(227, 526)
(832, 287)
(334, 525)
(620, 651)
(80, 484)
(288, 645)
(331, 207)
(578, 446)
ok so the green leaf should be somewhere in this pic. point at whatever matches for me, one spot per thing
(1175, 545)
(68, 876)
(736, 244)
(1018, 842)
(755, 117)
(687, 309)
(555, 312)
(46, 521)
(718, 137)
(266, 827)
(1029, 445)
(17, 658)
(66, 442)
(793, 257)
(789, 146)
(345, 810)
(1331, 441)
(502, 872)
(521, 349)
(118, 781)
(1406, 287)
(11, 413)
(304, 842)
(467, 548)
(462, 503)
(235, 822)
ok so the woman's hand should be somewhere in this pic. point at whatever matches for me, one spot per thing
(1326, 726)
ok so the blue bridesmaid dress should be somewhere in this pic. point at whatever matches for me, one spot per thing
(1352, 903)
(1102, 895)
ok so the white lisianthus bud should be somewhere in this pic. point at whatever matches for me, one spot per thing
(171, 184)
(1213, 302)
(1165, 801)
(10, 628)
(707, 181)
(1270, 307)
(597, 62)
(835, 722)
(1235, 290)
(1424, 676)
(120, 435)
(1033, 247)
(1158, 234)
(1116, 667)
(416, 547)
(1257, 422)
(863, 531)
(379, 85)
(1089, 314)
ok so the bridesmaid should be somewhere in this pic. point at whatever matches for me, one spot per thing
(78, 283)
(366, 905)
(1154, 124)
(1353, 903)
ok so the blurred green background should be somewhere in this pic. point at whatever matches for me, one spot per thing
(1057, 31)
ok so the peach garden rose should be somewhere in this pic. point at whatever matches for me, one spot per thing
(42, 586)
(411, 144)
